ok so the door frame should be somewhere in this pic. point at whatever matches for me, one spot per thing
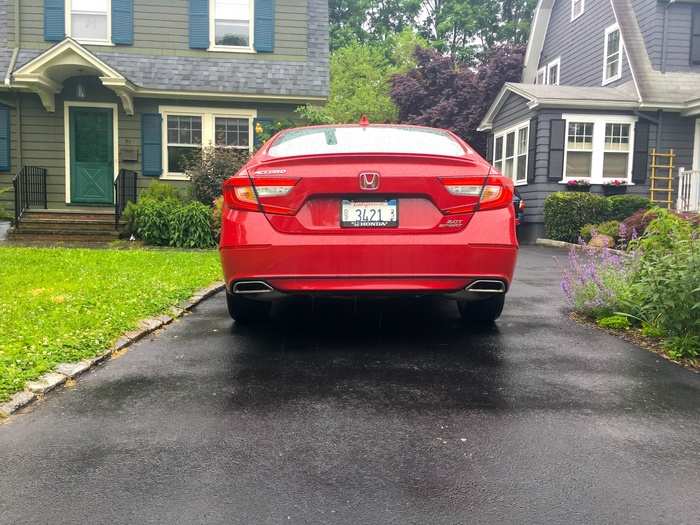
(66, 131)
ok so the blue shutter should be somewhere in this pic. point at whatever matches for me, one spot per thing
(123, 22)
(199, 24)
(4, 138)
(264, 38)
(54, 20)
(151, 144)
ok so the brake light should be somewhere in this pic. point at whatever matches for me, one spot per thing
(244, 193)
(480, 193)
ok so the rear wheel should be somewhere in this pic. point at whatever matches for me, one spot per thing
(483, 311)
(247, 311)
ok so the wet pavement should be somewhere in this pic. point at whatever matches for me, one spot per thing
(386, 413)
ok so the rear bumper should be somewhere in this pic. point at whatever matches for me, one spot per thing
(251, 249)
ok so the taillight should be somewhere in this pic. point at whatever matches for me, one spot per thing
(244, 193)
(478, 193)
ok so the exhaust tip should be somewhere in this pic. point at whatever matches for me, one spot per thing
(251, 287)
(487, 286)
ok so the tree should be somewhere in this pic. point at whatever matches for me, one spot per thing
(443, 93)
(361, 80)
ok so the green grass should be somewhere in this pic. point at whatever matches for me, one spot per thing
(61, 305)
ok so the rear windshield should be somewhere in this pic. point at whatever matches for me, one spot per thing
(372, 139)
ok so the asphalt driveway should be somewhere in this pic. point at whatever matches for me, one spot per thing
(387, 413)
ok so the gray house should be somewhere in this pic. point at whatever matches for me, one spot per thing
(605, 84)
(98, 98)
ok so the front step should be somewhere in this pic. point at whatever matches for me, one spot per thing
(70, 225)
(61, 236)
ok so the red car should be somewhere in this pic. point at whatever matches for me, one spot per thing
(359, 210)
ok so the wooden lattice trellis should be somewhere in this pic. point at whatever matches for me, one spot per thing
(661, 183)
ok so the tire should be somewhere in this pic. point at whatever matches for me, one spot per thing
(483, 311)
(247, 311)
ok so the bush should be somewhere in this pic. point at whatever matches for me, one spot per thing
(565, 213)
(190, 226)
(216, 216)
(608, 228)
(615, 322)
(623, 206)
(209, 170)
(152, 220)
(635, 225)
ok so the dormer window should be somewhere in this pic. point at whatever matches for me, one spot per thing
(88, 21)
(577, 8)
(553, 72)
(541, 76)
(612, 67)
(231, 24)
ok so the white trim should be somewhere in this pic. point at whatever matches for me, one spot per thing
(517, 128)
(69, 32)
(541, 71)
(208, 116)
(66, 134)
(550, 65)
(618, 75)
(250, 48)
(598, 151)
(629, 62)
(696, 146)
(583, 9)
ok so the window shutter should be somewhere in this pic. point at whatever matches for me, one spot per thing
(489, 148)
(557, 140)
(54, 20)
(123, 22)
(640, 162)
(199, 24)
(695, 37)
(264, 38)
(532, 150)
(4, 138)
(152, 144)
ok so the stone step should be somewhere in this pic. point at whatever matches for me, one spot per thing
(31, 223)
(42, 235)
(69, 215)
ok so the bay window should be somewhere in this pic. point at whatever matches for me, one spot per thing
(88, 21)
(231, 25)
(511, 152)
(186, 130)
(599, 148)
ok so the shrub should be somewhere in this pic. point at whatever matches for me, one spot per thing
(190, 226)
(615, 322)
(608, 228)
(565, 213)
(208, 171)
(161, 191)
(216, 218)
(152, 220)
(4, 213)
(622, 206)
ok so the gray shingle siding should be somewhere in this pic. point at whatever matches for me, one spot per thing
(513, 111)
(678, 39)
(649, 15)
(580, 43)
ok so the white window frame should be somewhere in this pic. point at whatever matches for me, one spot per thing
(208, 116)
(598, 152)
(556, 62)
(574, 15)
(250, 48)
(90, 42)
(541, 74)
(517, 129)
(618, 75)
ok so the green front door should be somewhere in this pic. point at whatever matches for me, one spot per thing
(91, 156)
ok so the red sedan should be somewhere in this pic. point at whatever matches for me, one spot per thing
(359, 210)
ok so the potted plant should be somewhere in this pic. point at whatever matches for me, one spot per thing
(615, 187)
(578, 185)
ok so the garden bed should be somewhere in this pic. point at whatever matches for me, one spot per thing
(61, 305)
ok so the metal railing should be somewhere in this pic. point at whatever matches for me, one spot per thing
(125, 192)
(688, 190)
(30, 190)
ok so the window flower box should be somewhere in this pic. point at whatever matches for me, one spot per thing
(615, 187)
(578, 185)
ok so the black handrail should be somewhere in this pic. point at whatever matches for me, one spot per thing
(30, 190)
(125, 192)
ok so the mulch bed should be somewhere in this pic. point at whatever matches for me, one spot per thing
(634, 336)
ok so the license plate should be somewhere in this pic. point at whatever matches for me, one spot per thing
(369, 214)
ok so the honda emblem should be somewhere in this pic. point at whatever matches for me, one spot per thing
(369, 180)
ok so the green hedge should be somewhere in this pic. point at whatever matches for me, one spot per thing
(565, 213)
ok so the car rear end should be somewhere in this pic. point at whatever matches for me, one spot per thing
(358, 210)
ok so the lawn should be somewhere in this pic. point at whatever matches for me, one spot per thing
(61, 305)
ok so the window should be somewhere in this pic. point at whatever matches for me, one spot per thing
(541, 76)
(186, 130)
(695, 37)
(88, 21)
(599, 147)
(612, 67)
(553, 72)
(511, 160)
(577, 8)
(231, 24)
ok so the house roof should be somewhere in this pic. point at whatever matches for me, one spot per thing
(224, 75)
(581, 97)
